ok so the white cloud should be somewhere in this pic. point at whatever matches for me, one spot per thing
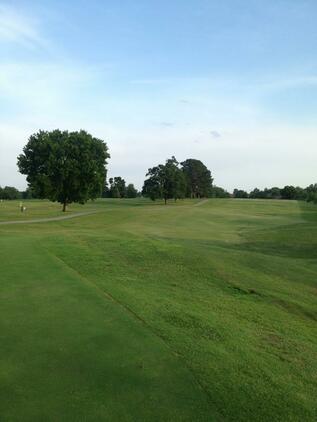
(18, 28)
(152, 120)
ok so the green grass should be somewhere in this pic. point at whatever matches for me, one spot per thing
(151, 312)
(35, 209)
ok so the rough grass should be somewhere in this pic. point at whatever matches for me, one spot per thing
(153, 312)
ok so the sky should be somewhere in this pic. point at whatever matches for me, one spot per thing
(230, 82)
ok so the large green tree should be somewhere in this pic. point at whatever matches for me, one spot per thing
(120, 184)
(198, 178)
(165, 181)
(64, 166)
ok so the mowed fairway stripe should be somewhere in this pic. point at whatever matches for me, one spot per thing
(68, 353)
(237, 312)
(198, 204)
(47, 220)
(223, 294)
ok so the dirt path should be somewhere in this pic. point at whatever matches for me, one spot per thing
(47, 220)
(201, 202)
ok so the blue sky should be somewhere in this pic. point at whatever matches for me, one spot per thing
(233, 83)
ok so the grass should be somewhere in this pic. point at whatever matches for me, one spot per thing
(151, 312)
(10, 210)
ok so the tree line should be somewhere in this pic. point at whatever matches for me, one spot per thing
(11, 193)
(68, 167)
(308, 194)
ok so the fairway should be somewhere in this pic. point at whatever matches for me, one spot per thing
(193, 311)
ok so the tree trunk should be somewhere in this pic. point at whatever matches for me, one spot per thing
(64, 206)
(165, 200)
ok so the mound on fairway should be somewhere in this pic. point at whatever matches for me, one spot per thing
(145, 312)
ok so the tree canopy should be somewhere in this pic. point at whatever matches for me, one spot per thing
(131, 191)
(71, 167)
(117, 189)
(312, 193)
(198, 178)
(287, 192)
(240, 193)
(165, 181)
(218, 192)
(64, 166)
(9, 192)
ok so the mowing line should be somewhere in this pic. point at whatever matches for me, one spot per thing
(47, 220)
(201, 202)
(109, 296)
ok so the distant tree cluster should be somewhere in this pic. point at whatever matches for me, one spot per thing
(272, 193)
(117, 188)
(9, 193)
(174, 180)
(218, 192)
(12, 193)
(311, 191)
(28, 194)
(240, 193)
(308, 194)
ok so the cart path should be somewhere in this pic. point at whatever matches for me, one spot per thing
(67, 217)
(48, 219)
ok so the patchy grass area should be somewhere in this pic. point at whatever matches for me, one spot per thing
(151, 312)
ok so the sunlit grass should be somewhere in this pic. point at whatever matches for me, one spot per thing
(151, 312)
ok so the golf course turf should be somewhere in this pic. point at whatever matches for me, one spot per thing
(146, 312)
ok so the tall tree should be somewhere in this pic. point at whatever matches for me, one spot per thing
(120, 184)
(117, 187)
(153, 185)
(165, 181)
(198, 178)
(175, 183)
(64, 166)
(131, 192)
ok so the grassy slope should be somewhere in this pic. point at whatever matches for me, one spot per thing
(215, 303)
